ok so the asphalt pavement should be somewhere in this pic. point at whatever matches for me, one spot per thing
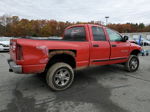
(96, 89)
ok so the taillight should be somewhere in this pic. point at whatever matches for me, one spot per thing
(12, 45)
(19, 53)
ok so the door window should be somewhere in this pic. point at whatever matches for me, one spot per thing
(113, 35)
(98, 34)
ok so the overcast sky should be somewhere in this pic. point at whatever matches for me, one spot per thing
(119, 11)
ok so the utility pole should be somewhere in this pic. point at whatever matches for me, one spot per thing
(106, 19)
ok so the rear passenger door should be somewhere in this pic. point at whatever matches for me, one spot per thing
(100, 48)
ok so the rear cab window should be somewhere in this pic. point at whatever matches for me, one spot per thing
(75, 34)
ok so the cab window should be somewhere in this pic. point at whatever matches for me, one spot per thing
(113, 35)
(98, 34)
(75, 34)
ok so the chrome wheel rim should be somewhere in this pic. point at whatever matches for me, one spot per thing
(62, 77)
(134, 63)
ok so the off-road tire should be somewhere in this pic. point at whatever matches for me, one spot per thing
(51, 76)
(133, 59)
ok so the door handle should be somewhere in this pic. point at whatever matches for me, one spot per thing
(114, 45)
(95, 45)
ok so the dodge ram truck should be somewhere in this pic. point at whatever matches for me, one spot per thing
(81, 46)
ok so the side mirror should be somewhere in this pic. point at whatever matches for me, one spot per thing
(125, 38)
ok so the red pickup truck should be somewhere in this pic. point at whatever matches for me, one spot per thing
(82, 45)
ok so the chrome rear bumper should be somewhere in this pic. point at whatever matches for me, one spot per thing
(13, 67)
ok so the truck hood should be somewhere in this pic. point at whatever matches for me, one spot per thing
(135, 46)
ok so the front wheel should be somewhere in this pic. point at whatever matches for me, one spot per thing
(60, 76)
(132, 64)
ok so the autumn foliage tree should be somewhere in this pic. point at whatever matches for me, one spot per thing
(14, 26)
(130, 27)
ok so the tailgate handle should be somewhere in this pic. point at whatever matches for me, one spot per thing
(95, 45)
(114, 45)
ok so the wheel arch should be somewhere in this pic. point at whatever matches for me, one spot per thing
(135, 52)
(66, 56)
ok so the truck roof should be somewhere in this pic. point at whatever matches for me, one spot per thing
(85, 25)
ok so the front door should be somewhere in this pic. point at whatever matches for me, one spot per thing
(119, 48)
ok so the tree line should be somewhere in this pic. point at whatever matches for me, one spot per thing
(16, 27)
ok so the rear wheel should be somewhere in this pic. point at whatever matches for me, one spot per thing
(132, 64)
(60, 76)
